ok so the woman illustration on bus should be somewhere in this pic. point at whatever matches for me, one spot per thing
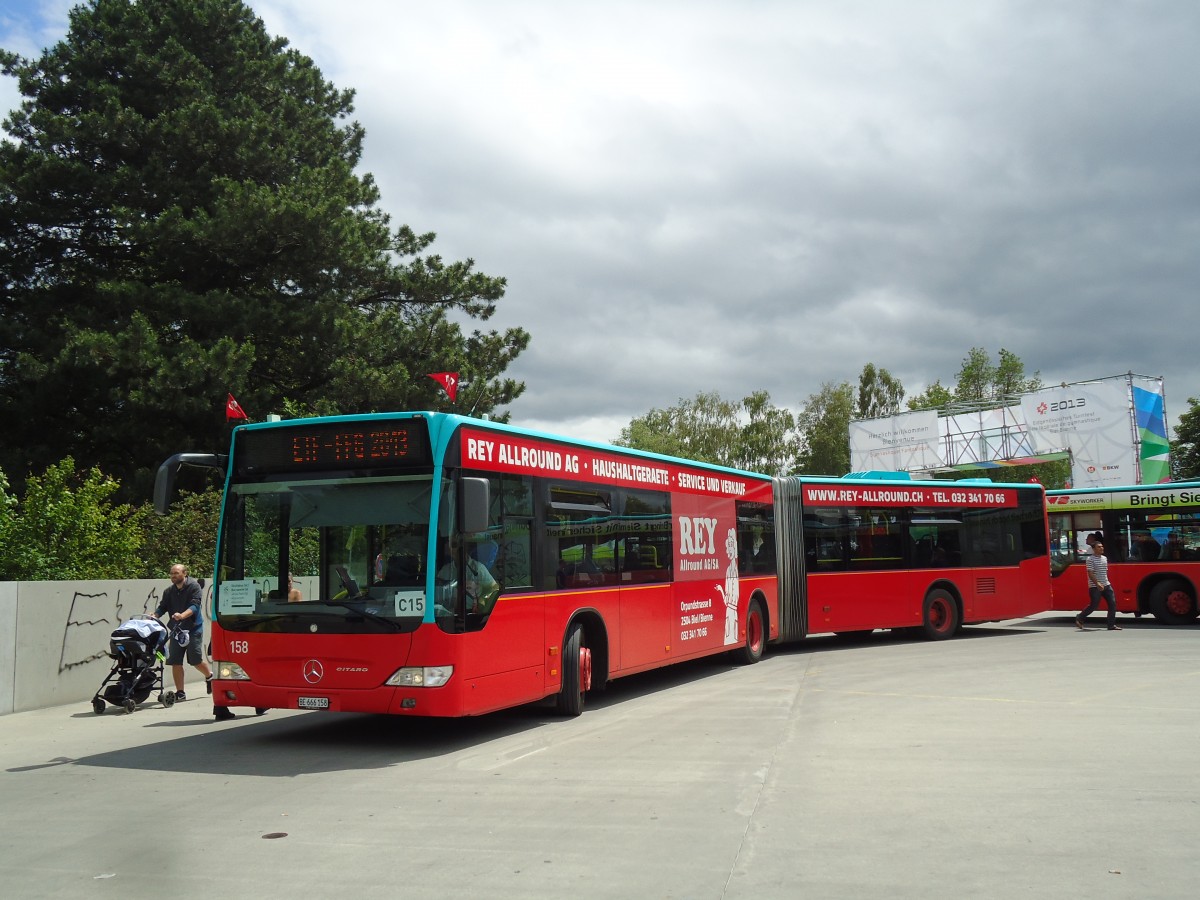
(730, 593)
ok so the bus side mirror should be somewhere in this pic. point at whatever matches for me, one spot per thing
(474, 501)
(168, 474)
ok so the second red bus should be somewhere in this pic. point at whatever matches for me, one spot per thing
(1151, 535)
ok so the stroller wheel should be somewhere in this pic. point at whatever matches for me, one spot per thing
(97, 705)
(168, 699)
(130, 706)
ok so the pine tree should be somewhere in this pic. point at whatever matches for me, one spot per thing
(180, 218)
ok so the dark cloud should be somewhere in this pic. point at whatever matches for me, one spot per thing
(731, 197)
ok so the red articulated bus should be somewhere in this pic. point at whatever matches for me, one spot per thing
(926, 555)
(1151, 535)
(430, 564)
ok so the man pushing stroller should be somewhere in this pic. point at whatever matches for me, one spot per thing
(182, 602)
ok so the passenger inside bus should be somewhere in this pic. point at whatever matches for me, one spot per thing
(401, 563)
(581, 572)
(762, 559)
(1175, 548)
(480, 585)
(1145, 547)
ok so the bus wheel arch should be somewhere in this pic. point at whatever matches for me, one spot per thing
(1172, 600)
(756, 627)
(941, 613)
(584, 662)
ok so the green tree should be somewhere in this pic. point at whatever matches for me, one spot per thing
(180, 218)
(981, 381)
(754, 435)
(1010, 377)
(825, 426)
(975, 377)
(187, 534)
(770, 442)
(879, 393)
(68, 527)
(1185, 450)
(935, 396)
(704, 428)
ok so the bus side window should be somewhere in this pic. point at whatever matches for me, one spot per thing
(577, 546)
(756, 538)
(513, 568)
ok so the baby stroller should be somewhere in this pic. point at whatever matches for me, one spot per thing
(137, 648)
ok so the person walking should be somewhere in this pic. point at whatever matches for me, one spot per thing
(1099, 588)
(181, 601)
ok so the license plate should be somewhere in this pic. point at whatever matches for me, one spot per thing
(314, 703)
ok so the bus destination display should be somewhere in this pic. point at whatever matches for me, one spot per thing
(356, 445)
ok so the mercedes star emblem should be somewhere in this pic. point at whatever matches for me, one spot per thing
(313, 671)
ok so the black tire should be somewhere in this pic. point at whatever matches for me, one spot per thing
(97, 705)
(752, 648)
(168, 699)
(575, 656)
(1173, 602)
(939, 618)
(260, 710)
(130, 706)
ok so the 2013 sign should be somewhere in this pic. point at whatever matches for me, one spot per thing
(1062, 405)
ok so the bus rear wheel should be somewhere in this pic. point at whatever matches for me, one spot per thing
(752, 648)
(576, 672)
(1173, 602)
(940, 616)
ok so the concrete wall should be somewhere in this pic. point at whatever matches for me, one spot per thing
(54, 637)
(8, 645)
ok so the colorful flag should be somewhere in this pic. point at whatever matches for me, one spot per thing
(233, 410)
(448, 381)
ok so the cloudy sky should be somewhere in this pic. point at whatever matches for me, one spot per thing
(746, 195)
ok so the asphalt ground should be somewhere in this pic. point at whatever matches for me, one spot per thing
(1023, 759)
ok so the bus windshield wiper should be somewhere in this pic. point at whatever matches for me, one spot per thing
(349, 603)
(236, 621)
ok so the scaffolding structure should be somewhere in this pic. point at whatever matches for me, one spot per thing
(1112, 429)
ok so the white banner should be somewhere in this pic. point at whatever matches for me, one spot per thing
(900, 443)
(1093, 419)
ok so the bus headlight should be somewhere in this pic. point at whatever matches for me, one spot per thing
(416, 676)
(230, 671)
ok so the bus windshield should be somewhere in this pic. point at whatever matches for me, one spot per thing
(325, 555)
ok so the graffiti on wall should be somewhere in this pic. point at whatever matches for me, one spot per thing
(93, 618)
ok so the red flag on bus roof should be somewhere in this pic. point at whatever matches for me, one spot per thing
(233, 410)
(448, 381)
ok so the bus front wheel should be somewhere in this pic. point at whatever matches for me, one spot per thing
(576, 674)
(940, 618)
(1173, 602)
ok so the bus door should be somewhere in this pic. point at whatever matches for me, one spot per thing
(645, 562)
(506, 634)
